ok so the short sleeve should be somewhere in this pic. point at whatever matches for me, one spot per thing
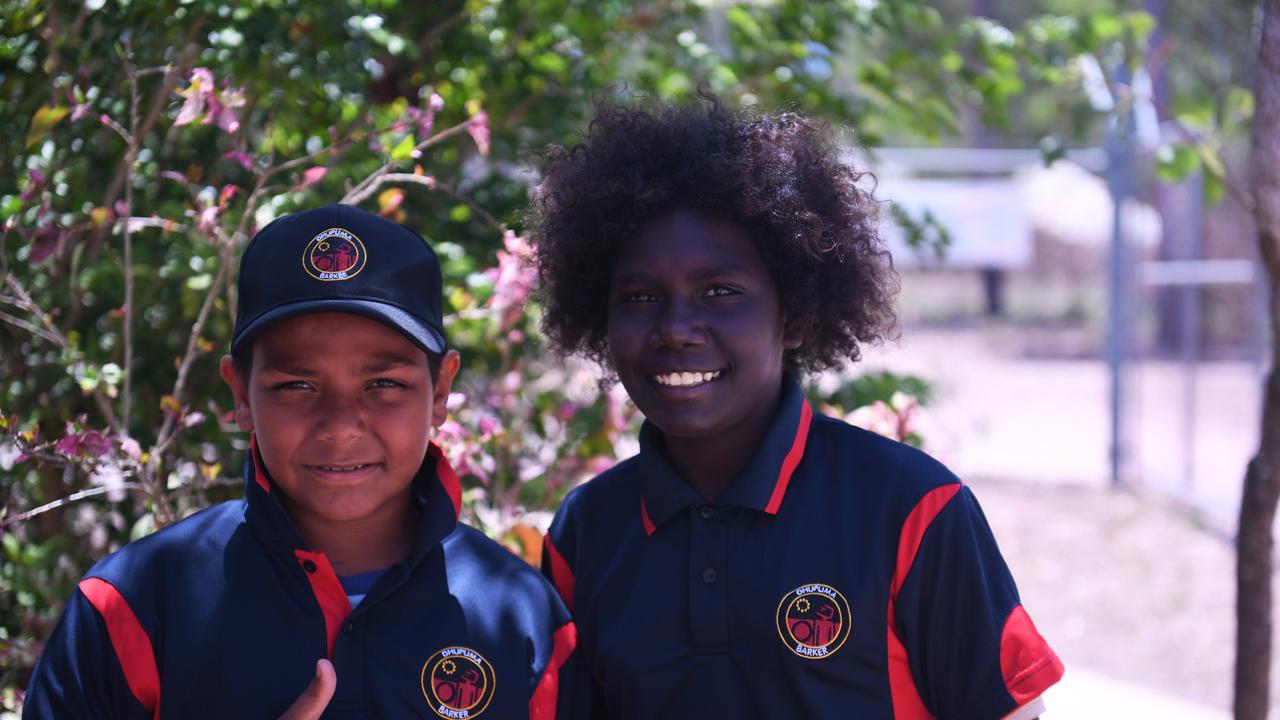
(80, 674)
(973, 651)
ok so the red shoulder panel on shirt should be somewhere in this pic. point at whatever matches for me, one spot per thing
(542, 705)
(561, 573)
(907, 703)
(131, 642)
(1028, 664)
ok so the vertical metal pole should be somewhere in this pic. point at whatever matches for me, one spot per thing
(1120, 181)
(1189, 334)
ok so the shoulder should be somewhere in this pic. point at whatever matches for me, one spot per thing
(191, 541)
(901, 474)
(602, 500)
(490, 572)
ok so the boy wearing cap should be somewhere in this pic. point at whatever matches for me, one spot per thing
(345, 557)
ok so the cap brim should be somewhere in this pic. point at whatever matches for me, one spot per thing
(422, 335)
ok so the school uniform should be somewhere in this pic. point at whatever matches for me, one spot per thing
(224, 614)
(840, 575)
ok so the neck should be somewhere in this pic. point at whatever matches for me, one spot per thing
(711, 464)
(365, 545)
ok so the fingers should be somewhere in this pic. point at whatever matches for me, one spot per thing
(311, 703)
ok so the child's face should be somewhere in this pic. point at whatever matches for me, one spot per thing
(342, 407)
(696, 330)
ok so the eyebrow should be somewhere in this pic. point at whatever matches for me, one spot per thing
(291, 365)
(714, 271)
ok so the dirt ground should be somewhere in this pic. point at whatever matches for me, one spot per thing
(1123, 585)
(1135, 589)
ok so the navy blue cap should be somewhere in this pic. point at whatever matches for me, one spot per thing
(339, 258)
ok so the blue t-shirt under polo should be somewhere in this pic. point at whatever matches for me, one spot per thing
(841, 574)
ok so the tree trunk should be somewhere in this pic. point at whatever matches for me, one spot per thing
(1255, 545)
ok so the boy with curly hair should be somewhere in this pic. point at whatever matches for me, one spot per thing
(756, 558)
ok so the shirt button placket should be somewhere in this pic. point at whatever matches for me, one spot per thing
(708, 594)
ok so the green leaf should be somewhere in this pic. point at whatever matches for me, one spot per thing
(403, 149)
(45, 119)
(1213, 189)
(741, 20)
(1175, 163)
(460, 213)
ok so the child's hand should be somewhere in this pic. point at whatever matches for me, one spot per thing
(312, 702)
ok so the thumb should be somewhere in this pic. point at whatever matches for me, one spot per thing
(312, 702)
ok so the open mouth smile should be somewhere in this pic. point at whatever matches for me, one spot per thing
(686, 379)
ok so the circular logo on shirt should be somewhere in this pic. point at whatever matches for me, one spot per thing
(335, 254)
(457, 682)
(813, 621)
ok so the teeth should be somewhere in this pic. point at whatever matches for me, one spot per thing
(686, 379)
(336, 468)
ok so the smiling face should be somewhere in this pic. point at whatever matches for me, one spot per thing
(342, 408)
(696, 331)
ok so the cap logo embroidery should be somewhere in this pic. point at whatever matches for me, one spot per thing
(457, 682)
(813, 621)
(335, 254)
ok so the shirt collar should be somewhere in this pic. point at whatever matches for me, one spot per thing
(761, 485)
(435, 488)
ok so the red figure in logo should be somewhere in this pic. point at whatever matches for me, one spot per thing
(816, 631)
(338, 256)
(461, 694)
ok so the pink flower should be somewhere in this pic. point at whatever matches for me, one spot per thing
(131, 448)
(478, 129)
(513, 278)
(195, 96)
(35, 184)
(89, 443)
(312, 176)
(207, 219)
(203, 99)
(242, 158)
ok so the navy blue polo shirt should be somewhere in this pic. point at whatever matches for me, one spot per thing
(224, 614)
(840, 575)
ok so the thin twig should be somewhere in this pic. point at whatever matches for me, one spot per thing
(138, 222)
(73, 497)
(365, 188)
(189, 357)
(434, 184)
(29, 327)
(131, 155)
(29, 304)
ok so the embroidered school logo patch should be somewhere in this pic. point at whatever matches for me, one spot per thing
(457, 682)
(813, 621)
(335, 254)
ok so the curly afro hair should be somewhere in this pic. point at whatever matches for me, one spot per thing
(777, 176)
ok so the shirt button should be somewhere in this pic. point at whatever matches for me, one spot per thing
(349, 628)
(709, 576)
(309, 566)
(707, 511)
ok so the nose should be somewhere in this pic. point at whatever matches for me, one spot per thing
(678, 325)
(341, 420)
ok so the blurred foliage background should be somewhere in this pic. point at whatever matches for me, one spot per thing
(144, 142)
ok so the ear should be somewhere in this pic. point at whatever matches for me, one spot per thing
(449, 365)
(792, 338)
(239, 393)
